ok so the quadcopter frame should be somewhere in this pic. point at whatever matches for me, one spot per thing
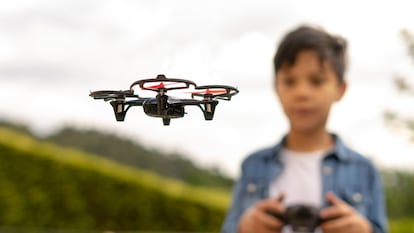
(164, 106)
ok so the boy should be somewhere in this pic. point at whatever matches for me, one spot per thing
(310, 165)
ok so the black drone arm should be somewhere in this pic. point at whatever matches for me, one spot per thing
(137, 102)
(121, 107)
(207, 106)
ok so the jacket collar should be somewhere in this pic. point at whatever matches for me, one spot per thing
(340, 151)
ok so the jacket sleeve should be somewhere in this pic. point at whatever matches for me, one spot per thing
(231, 221)
(236, 210)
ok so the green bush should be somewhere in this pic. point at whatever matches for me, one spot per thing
(45, 186)
(132, 153)
(402, 225)
(399, 188)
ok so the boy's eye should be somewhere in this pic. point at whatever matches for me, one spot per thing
(289, 81)
(317, 81)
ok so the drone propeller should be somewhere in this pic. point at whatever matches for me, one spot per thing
(164, 84)
(161, 85)
(209, 92)
(112, 95)
(215, 91)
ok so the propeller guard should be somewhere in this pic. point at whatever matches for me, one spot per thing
(161, 78)
(112, 95)
(214, 91)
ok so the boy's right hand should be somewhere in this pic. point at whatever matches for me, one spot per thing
(256, 219)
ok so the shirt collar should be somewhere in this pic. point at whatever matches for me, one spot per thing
(340, 150)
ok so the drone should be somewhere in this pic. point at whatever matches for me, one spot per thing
(206, 97)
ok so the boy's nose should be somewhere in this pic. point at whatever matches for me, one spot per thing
(303, 91)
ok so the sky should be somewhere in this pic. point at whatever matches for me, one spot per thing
(53, 53)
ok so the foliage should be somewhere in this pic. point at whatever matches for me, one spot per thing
(45, 186)
(398, 186)
(132, 153)
(409, 40)
(42, 185)
(404, 86)
(401, 225)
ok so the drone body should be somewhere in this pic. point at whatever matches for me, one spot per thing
(162, 105)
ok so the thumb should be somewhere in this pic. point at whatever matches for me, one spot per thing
(280, 197)
(333, 199)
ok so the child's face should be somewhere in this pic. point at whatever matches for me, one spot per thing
(306, 90)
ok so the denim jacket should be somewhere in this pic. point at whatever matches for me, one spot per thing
(349, 175)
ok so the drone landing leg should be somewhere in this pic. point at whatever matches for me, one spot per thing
(166, 121)
(119, 110)
(209, 109)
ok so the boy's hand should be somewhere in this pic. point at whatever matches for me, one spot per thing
(257, 220)
(345, 218)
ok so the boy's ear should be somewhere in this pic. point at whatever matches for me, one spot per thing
(342, 89)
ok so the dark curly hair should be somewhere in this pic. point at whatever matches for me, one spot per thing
(329, 48)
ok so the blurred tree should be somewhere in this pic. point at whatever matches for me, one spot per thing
(409, 40)
(132, 153)
(405, 87)
(399, 185)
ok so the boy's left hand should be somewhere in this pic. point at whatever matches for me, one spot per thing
(345, 219)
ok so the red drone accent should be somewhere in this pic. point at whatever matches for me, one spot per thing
(208, 91)
(161, 85)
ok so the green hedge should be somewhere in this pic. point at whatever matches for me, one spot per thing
(45, 186)
(402, 225)
(399, 188)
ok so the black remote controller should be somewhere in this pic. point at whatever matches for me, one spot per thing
(302, 218)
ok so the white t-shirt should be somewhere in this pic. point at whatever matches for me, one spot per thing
(301, 179)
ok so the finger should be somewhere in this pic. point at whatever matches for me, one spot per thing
(335, 211)
(339, 207)
(278, 200)
(272, 205)
(269, 221)
(330, 212)
(280, 197)
(333, 199)
(337, 225)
